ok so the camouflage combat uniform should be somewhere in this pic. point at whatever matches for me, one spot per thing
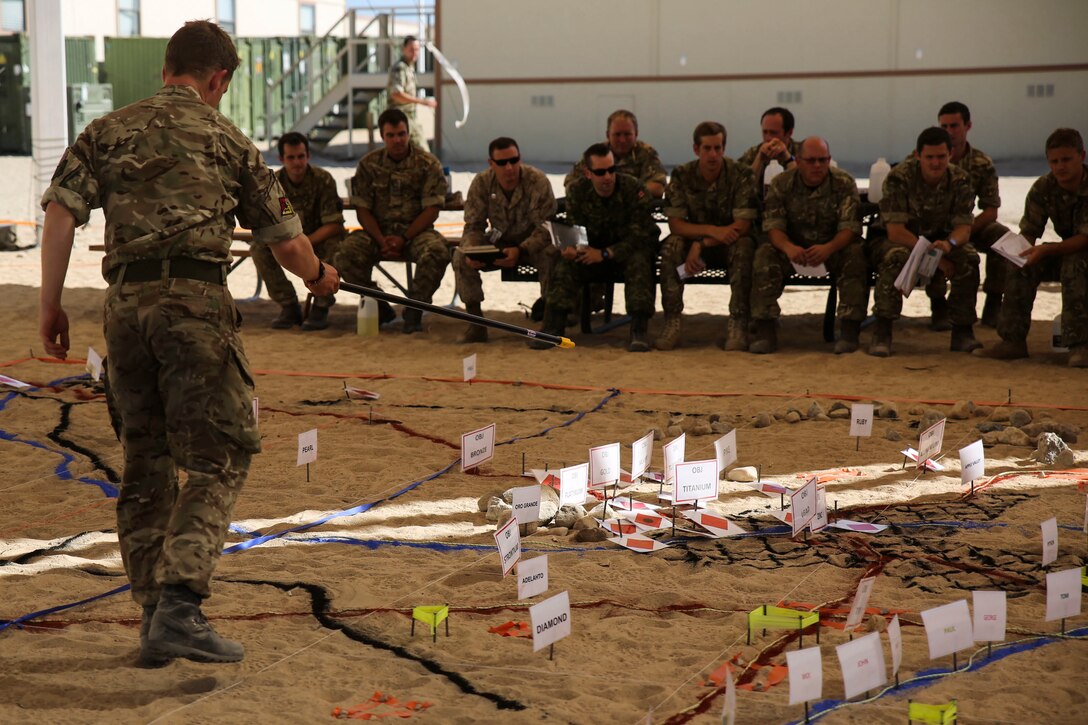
(172, 174)
(931, 212)
(402, 78)
(642, 162)
(728, 198)
(519, 216)
(749, 156)
(396, 192)
(811, 216)
(317, 203)
(1068, 212)
(623, 224)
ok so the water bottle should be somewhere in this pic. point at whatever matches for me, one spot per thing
(366, 319)
(1056, 335)
(877, 173)
(772, 170)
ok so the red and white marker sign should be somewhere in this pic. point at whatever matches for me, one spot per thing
(862, 663)
(806, 668)
(642, 452)
(604, 465)
(948, 628)
(508, 540)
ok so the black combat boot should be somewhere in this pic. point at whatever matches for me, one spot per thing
(146, 659)
(848, 336)
(637, 342)
(413, 320)
(939, 321)
(180, 629)
(318, 319)
(473, 333)
(554, 324)
(766, 338)
(963, 339)
(290, 315)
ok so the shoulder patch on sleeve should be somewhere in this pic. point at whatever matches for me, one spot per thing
(286, 209)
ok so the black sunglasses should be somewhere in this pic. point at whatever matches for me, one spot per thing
(602, 172)
(506, 162)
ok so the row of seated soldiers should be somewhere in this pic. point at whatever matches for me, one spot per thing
(718, 218)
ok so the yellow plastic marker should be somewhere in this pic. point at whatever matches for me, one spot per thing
(768, 617)
(932, 714)
(431, 615)
(566, 342)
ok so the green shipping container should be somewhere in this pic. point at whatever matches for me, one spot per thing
(134, 68)
(14, 95)
(79, 61)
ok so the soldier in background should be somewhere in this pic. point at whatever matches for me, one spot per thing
(776, 125)
(402, 90)
(516, 200)
(955, 118)
(172, 174)
(633, 157)
(1061, 197)
(397, 192)
(711, 205)
(615, 210)
(812, 217)
(312, 193)
(925, 196)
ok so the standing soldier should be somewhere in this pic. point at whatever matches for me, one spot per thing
(402, 90)
(172, 174)
(812, 218)
(615, 210)
(711, 206)
(312, 193)
(516, 200)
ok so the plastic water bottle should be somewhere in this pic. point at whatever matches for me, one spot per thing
(877, 173)
(772, 170)
(1056, 335)
(366, 319)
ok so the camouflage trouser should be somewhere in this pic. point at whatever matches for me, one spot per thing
(180, 383)
(637, 270)
(847, 266)
(1021, 286)
(889, 261)
(279, 287)
(359, 252)
(994, 284)
(470, 286)
(737, 258)
(415, 128)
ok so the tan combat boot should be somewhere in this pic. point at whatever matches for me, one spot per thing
(671, 334)
(1078, 356)
(473, 333)
(1005, 350)
(766, 338)
(848, 336)
(963, 339)
(736, 339)
(881, 343)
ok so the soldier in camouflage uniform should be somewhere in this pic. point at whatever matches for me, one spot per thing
(516, 200)
(711, 206)
(927, 197)
(313, 195)
(397, 192)
(615, 210)
(172, 174)
(402, 90)
(811, 217)
(776, 125)
(955, 118)
(633, 157)
(1062, 197)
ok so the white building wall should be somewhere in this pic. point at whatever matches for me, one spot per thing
(871, 73)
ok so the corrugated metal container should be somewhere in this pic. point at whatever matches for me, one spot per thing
(134, 68)
(81, 66)
(14, 96)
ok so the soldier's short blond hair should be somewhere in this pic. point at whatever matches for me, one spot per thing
(1065, 138)
(198, 48)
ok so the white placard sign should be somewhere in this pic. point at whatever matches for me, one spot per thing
(1063, 597)
(803, 505)
(819, 521)
(604, 465)
(729, 707)
(806, 668)
(948, 628)
(573, 482)
(526, 504)
(674, 453)
(972, 462)
(469, 366)
(642, 452)
(1050, 541)
(895, 643)
(12, 382)
(94, 364)
(725, 449)
(861, 420)
(696, 481)
(508, 540)
(989, 616)
(256, 410)
(307, 447)
(930, 442)
(862, 663)
(861, 601)
(477, 447)
(551, 620)
(532, 576)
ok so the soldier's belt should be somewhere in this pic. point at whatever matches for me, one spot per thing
(149, 270)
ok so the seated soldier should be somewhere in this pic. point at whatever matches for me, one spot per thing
(776, 125)
(711, 204)
(925, 196)
(615, 210)
(312, 193)
(1062, 197)
(397, 192)
(812, 218)
(515, 199)
(634, 157)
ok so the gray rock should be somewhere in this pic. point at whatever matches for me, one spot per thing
(586, 522)
(1019, 417)
(763, 420)
(678, 420)
(714, 417)
(1049, 446)
(530, 528)
(504, 516)
(915, 410)
(983, 411)
(568, 515)
(893, 435)
(988, 426)
(780, 415)
(1066, 459)
(839, 405)
(720, 427)
(822, 417)
(1065, 431)
(558, 531)
(960, 411)
(600, 511)
(839, 413)
(815, 410)
(496, 508)
(701, 428)
(793, 417)
(1014, 437)
(659, 435)
(992, 438)
(1001, 415)
(484, 502)
(889, 411)
(549, 502)
(673, 431)
(930, 417)
(744, 474)
(591, 535)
